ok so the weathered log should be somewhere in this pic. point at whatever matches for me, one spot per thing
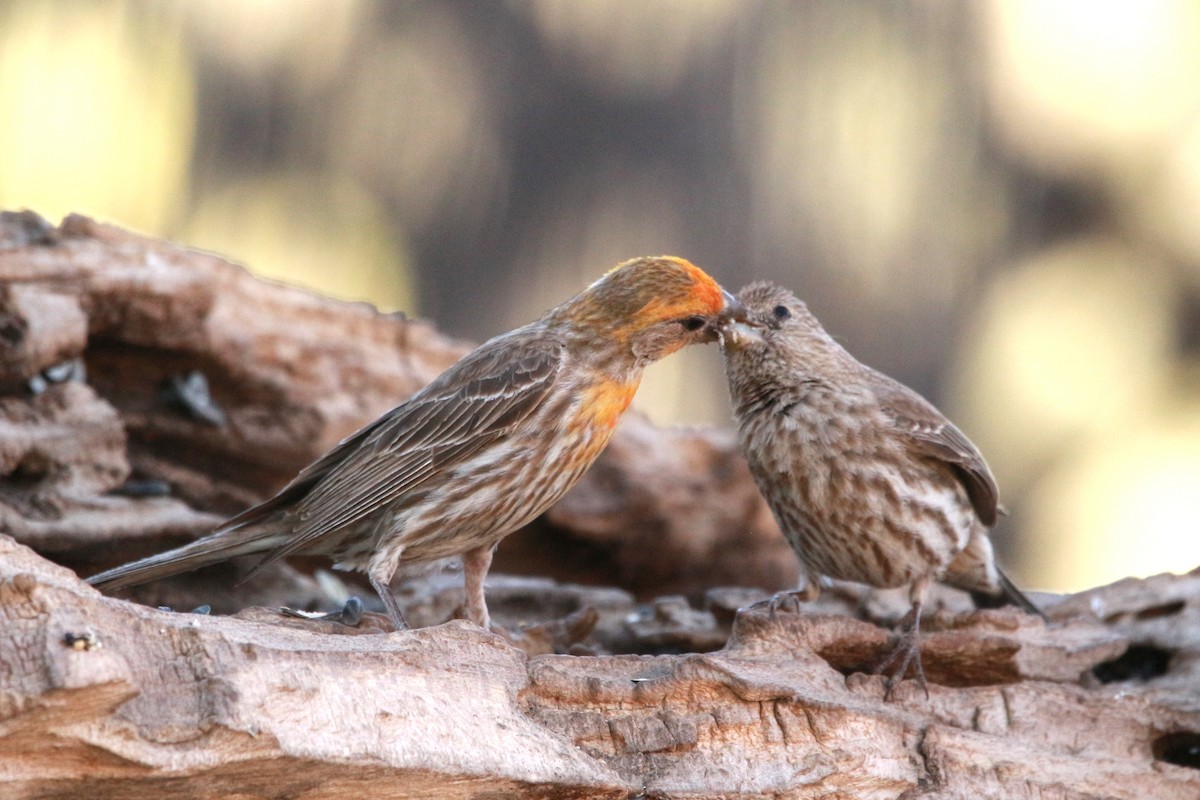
(110, 699)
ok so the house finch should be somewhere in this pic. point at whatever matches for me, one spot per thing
(479, 452)
(868, 481)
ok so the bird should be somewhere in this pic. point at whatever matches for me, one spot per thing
(867, 479)
(482, 450)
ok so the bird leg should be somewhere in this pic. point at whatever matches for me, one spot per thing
(383, 588)
(475, 567)
(908, 646)
(382, 568)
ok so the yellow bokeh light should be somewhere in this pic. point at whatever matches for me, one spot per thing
(1162, 196)
(1065, 346)
(1081, 81)
(416, 123)
(309, 38)
(98, 113)
(315, 231)
(1125, 506)
(863, 160)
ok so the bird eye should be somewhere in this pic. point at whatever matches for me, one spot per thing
(693, 324)
(781, 312)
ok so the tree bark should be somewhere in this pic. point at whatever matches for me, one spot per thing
(112, 447)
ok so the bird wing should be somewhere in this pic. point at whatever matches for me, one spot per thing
(474, 403)
(930, 434)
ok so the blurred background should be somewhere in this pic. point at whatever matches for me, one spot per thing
(995, 202)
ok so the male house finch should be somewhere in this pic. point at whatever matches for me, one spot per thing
(483, 449)
(868, 481)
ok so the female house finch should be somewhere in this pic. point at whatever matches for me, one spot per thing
(482, 450)
(868, 481)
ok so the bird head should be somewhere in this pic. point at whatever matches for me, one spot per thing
(654, 306)
(773, 317)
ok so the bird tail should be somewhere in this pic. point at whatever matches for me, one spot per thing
(1009, 595)
(219, 546)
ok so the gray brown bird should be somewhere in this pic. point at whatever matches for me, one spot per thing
(482, 450)
(868, 480)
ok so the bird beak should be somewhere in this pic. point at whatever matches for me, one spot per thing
(734, 326)
(739, 335)
(734, 310)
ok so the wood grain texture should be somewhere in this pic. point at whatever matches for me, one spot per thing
(122, 699)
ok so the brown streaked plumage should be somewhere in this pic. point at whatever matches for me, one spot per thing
(867, 479)
(482, 450)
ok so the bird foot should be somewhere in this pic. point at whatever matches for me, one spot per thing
(907, 652)
(349, 615)
(790, 601)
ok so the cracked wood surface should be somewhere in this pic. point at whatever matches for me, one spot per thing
(114, 699)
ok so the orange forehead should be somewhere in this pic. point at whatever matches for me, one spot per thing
(644, 292)
(707, 291)
(701, 295)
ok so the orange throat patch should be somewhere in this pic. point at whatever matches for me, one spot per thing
(605, 401)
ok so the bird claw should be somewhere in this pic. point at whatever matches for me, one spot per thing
(908, 651)
(349, 615)
(791, 601)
